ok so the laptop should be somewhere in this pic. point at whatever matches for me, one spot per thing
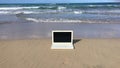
(62, 39)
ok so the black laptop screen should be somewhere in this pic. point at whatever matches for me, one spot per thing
(62, 36)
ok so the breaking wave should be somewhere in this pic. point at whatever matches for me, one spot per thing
(64, 21)
(60, 8)
(62, 12)
(53, 20)
(18, 8)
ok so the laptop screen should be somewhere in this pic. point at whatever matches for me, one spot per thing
(62, 36)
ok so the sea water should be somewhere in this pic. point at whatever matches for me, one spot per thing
(63, 12)
(88, 20)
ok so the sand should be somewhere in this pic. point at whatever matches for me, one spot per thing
(36, 53)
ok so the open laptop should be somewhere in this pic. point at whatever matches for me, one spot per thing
(62, 39)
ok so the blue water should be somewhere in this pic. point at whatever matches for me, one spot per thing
(87, 20)
(64, 12)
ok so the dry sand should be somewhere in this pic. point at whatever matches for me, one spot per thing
(36, 53)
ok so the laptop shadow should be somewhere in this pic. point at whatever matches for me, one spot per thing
(76, 40)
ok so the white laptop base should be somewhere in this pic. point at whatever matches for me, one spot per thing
(62, 46)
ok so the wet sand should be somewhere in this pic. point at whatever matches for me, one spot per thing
(36, 53)
(43, 30)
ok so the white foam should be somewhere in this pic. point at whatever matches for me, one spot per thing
(78, 12)
(16, 8)
(92, 5)
(61, 21)
(26, 12)
(30, 7)
(4, 12)
(10, 8)
(53, 21)
(32, 19)
(61, 8)
(18, 12)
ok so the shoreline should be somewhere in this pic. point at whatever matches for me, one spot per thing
(43, 30)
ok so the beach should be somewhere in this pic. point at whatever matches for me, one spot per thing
(25, 35)
(36, 53)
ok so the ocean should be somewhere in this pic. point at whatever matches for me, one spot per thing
(63, 12)
(87, 20)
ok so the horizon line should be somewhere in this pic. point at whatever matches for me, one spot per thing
(66, 3)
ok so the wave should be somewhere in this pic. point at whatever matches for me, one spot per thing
(105, 12)
(77, 12)
(65, 21)
(26, 12)
(65, 8)
(59, 7)
(18, 8)
(52, 20)
(35, 7)
(62, 12)
(19, 12)
(4, 12)
(31, 12)
(52, 7)
(103, 5)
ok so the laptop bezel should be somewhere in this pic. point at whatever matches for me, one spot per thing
(62, 42)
